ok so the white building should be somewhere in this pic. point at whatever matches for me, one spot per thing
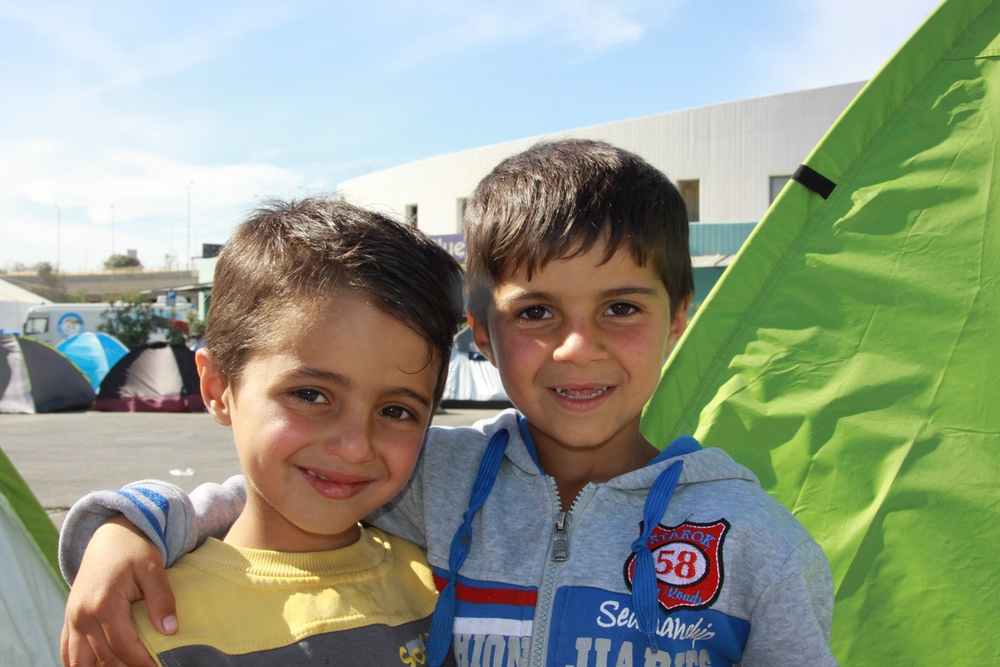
(729, 160)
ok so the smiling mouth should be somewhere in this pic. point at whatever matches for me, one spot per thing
(581, 394)
(337, 488)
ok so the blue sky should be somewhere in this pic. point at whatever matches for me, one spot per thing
(116, 113)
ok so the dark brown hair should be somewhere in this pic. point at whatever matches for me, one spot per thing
(559, 199)
(295, 254)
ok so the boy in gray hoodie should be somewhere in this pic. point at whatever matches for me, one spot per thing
(558, 535)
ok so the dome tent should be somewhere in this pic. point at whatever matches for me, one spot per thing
(156, 377)
(35, 378)
(94, 353)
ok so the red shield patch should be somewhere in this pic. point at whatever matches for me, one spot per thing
(688, 560)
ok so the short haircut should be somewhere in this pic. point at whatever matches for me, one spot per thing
(559, 199)
(291, 256)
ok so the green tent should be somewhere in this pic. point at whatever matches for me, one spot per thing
(850, 354)
(32, 594)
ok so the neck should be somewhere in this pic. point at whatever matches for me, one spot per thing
(260, 527)
(575, 467)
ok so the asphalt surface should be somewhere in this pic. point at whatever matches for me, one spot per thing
(63, 456)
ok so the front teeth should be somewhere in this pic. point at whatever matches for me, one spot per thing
(580, 393)
(318, 476)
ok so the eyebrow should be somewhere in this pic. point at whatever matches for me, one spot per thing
(539, 295)
(329, 377)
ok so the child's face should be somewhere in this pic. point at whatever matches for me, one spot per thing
(328, 423)
(580, 346)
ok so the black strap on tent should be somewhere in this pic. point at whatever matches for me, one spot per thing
(814, 180)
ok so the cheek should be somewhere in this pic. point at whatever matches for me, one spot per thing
(645, 350)
(510, 345)
(274, 431)
(400, 455)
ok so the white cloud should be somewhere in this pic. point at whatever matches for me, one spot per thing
(593, 25)
(452, 27)
(145, 193)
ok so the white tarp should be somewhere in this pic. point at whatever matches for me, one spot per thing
(32, 600)
(14, 305)
(471, 377)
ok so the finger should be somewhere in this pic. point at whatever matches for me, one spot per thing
(64, 645)
(159, 596)
(121, 644)
(75, 649)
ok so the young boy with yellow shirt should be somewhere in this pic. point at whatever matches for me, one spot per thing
(326, 351)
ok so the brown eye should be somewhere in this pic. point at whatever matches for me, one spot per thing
(534, 313)
(396, 412)
(621, 309)
(311, 395)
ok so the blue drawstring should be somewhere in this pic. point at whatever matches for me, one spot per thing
(645, 593)
(439, 640)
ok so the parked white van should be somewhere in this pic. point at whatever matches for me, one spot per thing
(53, 323)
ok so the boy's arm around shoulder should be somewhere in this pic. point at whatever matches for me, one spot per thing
(172, 521)
(121, 567)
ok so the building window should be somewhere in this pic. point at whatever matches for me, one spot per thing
(777, 183)
(460, 211)
(411, 215)
(691, 193)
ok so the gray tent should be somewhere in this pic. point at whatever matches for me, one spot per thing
(36, 378)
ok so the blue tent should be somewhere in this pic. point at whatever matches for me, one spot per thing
(94, 353)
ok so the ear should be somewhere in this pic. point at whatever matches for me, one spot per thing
(679, 323)
(214, 387)
(481, 334)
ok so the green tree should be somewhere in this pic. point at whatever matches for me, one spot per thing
(121, 262)
(131, 319)
(49, 277)
(196, 328)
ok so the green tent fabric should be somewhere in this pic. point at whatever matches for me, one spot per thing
(849, 355)
(29, 511)
(32, 594)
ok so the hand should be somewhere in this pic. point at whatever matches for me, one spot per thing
(119, 566)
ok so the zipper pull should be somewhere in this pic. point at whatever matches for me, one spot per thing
(560, 539)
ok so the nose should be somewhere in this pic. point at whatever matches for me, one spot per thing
(351, 438)
(580, 342)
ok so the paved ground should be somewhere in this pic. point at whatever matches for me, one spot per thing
(65, 455)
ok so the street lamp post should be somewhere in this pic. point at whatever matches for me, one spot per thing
(58, 237)
(112, 243)
(188, 261)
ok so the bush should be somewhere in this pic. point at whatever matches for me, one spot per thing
(131, 319)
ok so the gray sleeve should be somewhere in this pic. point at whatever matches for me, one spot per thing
(216, 508)
(173, 522)
(790, 624)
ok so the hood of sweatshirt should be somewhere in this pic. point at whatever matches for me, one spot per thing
(700, 465)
